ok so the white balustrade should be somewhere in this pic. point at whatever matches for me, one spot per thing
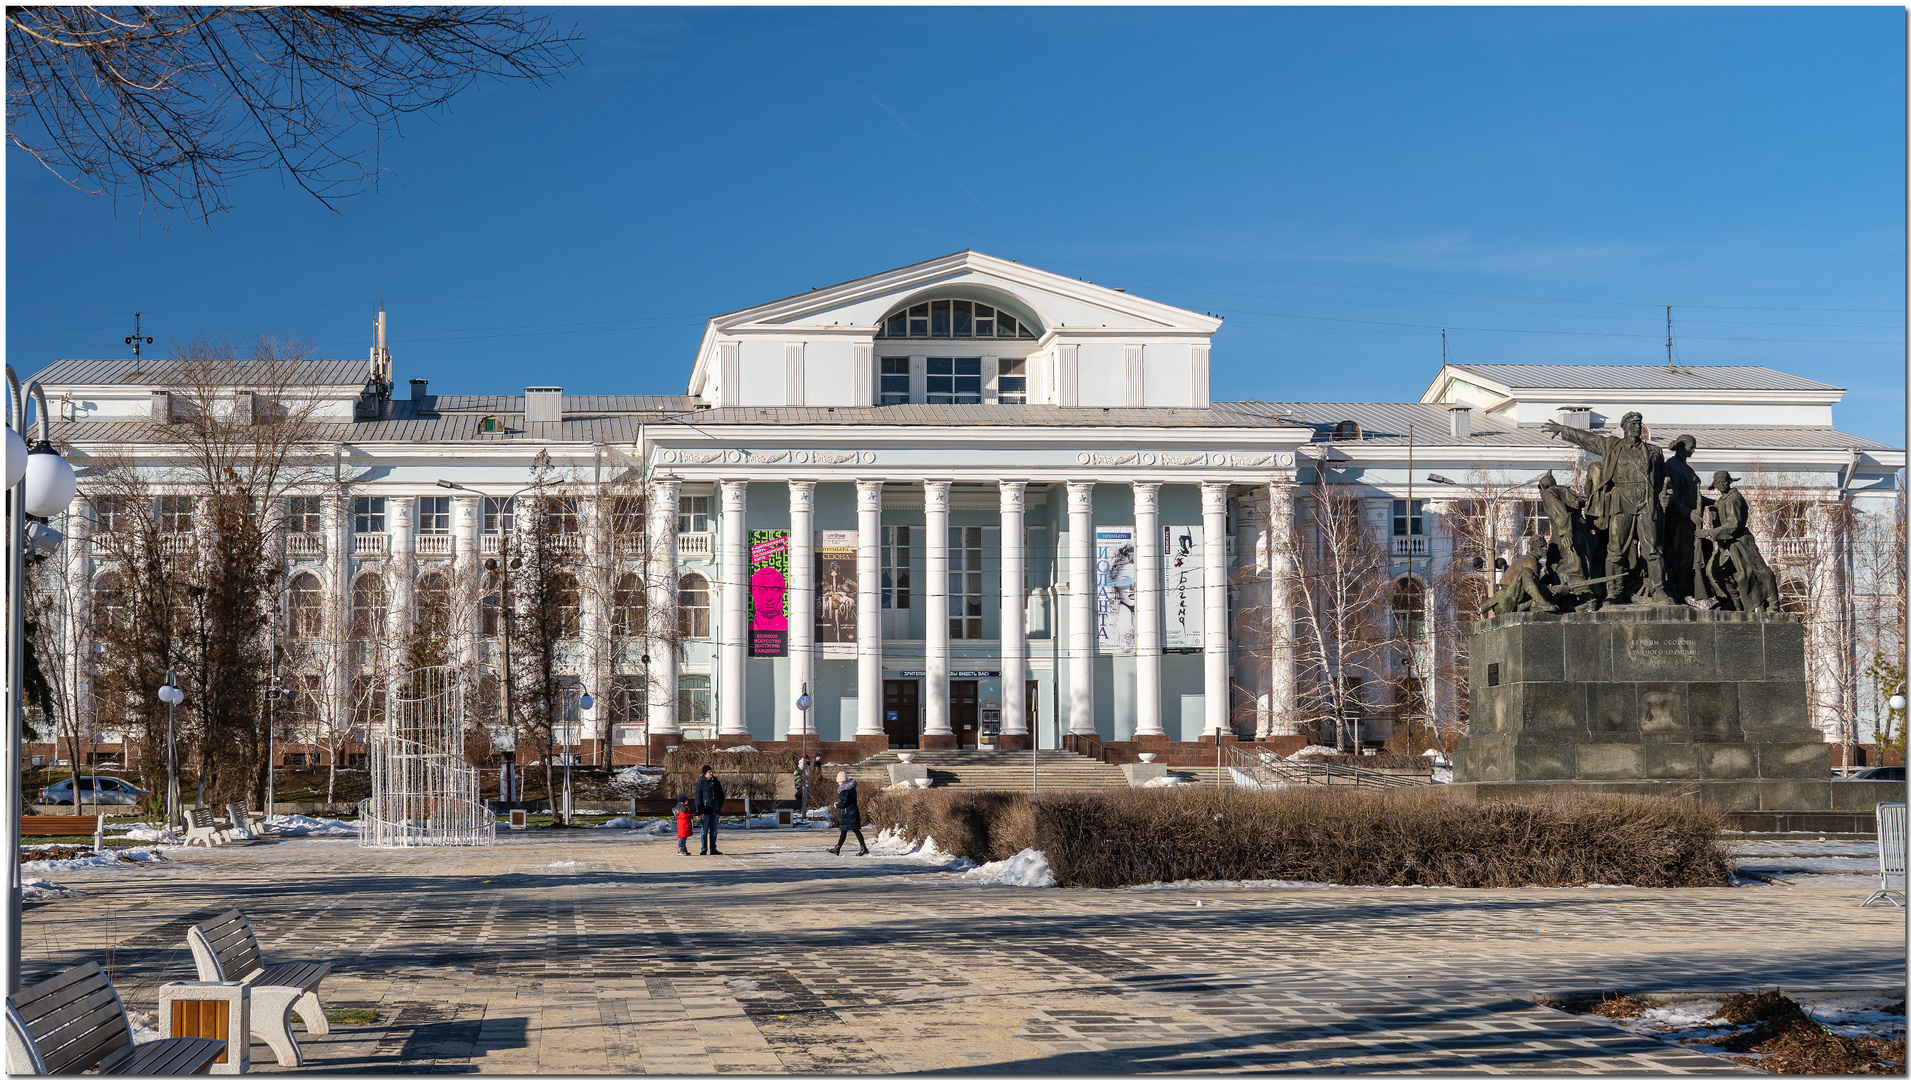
(434, 543)
(693, 545)
(371, 544)
(1409, 545)
(305, 545)
(490, 543)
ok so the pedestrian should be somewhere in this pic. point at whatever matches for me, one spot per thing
(683, 825)
(708, 799)
(802, 789)
(849, 818)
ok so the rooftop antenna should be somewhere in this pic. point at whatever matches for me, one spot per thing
(381, 356)
(136, 341)
(1668, 335)
(1443, 345)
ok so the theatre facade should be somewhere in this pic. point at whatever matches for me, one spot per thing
(968, 502)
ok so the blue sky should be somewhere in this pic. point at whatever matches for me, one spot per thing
(1339, 183)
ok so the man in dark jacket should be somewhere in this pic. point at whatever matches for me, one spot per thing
(849, 816)
(707, 800)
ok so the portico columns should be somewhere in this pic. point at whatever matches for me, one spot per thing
(1014, 619)
(733, 637)
(1214, 598)
(660, 637)
(464, 540)
(802, 594)
(869, 618)
(1282, 718)
(1148, 610)
(936, 732)
(1081, 607)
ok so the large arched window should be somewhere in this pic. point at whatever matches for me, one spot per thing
(304, 609)
(955, 319)
(368, 607)
(627, 607)
(431, 604)
(1409, 609)
(566, 599)
(693, 606)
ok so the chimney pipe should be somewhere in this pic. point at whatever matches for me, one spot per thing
(418, 389)
(1460, 421)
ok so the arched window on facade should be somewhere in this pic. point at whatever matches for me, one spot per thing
(1347, 431)
(1409, 609)
(627, 607)
(955, 319)
(431, 604)
(304, 609)
(693, 607)
(566, 600)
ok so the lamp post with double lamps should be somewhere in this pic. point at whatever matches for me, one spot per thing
(584, 702)
(40, 484)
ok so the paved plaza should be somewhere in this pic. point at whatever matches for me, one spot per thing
(603, 951)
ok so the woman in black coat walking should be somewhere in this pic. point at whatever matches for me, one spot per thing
(849, 818)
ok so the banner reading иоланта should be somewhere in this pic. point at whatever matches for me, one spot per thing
(769, 592)
(1115, 589)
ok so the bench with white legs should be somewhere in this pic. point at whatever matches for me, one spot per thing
(225, 950)
(75, 1022)
(203, 827)
(241, 822)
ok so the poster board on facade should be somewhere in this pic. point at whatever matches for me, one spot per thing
(1115, 589)
(836, 586)
(769, 592)
(1181, 584)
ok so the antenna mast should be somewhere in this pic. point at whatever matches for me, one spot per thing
(1668, 335)
(381, 356)
(1443, 345)
(136, 341)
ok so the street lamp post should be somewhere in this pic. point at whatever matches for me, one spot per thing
(803, 704)
(39, 483)
(584, 701)
(172, 695)
(274, 692)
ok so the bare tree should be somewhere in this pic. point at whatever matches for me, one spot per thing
(174, 102)
(544, 612)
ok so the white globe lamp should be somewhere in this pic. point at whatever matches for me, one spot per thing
(1896, 703)
(50, 482)
(16, 457)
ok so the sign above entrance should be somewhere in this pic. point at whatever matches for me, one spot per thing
(955, 674)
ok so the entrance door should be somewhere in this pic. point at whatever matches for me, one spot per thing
(902, 713)
(964, 714)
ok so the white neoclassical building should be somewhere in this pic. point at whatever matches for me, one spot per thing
(970, 502)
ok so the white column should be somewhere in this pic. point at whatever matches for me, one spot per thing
(1081, 607)
(734, 633)
(660, 637)
(1828, 652)
(1148, 610)
(594, 579)
(869, 616)
(79, 641)
(468, 576)
(1014, 609)
(1214, 595)
(398, 574)
(338, 606)
(802, 601)
(1283, 714)
(935, 645)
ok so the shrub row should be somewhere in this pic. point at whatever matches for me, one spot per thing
(1337, 836)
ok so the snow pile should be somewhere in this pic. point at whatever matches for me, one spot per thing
(638, 781)
(889, 844)
(644, 827)
(39, 888)
(746, 748)
(144, 1025)
(147, 834)
(1170, 780)
(1314, 750)
(300, 825)
(1027, 868)
(111, 858)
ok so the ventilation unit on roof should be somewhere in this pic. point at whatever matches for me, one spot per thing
(1576, 416)
(543, 404)
(1460, 421)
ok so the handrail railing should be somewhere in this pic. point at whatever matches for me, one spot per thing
(1261, 769)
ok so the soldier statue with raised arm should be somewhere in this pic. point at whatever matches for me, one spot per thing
(1633, 483)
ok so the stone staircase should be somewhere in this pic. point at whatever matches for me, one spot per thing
(1003, 770)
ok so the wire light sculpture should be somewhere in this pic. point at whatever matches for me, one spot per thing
(423, 792)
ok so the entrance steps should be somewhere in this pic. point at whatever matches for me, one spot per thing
(1002, 770)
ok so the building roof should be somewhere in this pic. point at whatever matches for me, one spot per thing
(1517, 377)
(158, 373)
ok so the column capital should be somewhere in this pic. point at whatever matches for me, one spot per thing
(1214, 496)
(1147, 496)
(1013, 492)
(869, 495)
(1280, 481)
(1081, 496)
(733, 492)
(935, 494)
(802, 494)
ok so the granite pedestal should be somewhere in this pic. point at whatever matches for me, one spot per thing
(1650, 700)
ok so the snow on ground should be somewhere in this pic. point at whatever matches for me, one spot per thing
(1829, 864)
(889, 844)
(1851, 1016)
(1170, 780)
(110, 859)
(39, 888)
(1820, 863)
(1027, 868)
(1805, 847)
(300, 825)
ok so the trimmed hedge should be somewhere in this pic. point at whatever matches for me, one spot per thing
(1337, 836)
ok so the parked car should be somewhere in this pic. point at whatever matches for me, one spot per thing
(94, 790)
(1876, 772)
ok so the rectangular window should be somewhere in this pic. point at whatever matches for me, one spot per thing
(939, 318)
(895, 386)
(109, 514)
(500, 515)
(628, 699)
(955, 380)
(693, 514)
(368, 514)
(693, 700)
(895, 567)
(434, 514)
(1407, 521)
(563, 511)
(919, 321)
(175, 513)
(964, 319)
(965, 583)
(303, 515)
(1011, 381)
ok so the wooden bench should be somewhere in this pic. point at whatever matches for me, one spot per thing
(75, 1021)
(226, 950)
(59, 825)
(204, 827)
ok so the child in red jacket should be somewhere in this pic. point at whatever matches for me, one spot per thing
(683, 826)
